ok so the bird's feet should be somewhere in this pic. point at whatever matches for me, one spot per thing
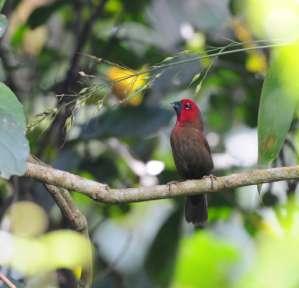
(174, 182)
(212, 179)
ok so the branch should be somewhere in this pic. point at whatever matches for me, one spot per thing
(6, 281)
(74, 216)
(104, 193)
(65, 203)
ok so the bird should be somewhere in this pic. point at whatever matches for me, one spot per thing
(192, 156)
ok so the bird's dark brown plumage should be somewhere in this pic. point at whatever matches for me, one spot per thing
(192, 156)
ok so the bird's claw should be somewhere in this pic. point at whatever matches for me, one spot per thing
(212, 179)
(171, 183)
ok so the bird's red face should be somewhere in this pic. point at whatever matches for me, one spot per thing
(187, 111)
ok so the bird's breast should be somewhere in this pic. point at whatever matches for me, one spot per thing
(191, 152)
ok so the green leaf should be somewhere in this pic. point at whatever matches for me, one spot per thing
(57, 249)
(161, 259)
(205, 261)
(18, 36)
(195, 78)
(277, 104)
(127, 122)
(14, 148)
(276, 259)
(3, 24)
(42, 14)
(2, 2)
(236, 6)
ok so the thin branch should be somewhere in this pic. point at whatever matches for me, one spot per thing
(104, 193)
(74, 216)
(6, 281)
(65, 202)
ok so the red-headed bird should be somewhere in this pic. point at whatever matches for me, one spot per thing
(192, 156)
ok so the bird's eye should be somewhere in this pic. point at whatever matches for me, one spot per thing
(188, 106)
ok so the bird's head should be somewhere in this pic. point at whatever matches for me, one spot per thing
(187, 111)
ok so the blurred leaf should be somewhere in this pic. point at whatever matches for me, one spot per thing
(3, 24)
(277, 104)
(236, 6)
(263, 15)
(60, 249)
(127, 122)
(14, 148)
(18, 36)
(114, 6)
(276, 261)
(205, 261)
(195, 78)
(42, 14)
(127, 84)
(133, 8)
(256, 62)
(27, 219)
(2, 2)
(161, 259)
(219, 213)
(276, 266)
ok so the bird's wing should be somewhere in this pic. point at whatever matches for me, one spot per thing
(191, 152)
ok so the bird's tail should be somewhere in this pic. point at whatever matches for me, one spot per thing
(196, 210)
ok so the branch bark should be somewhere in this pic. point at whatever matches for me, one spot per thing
(74, 216)
(103, 193)
(6, 281)
(65, 203)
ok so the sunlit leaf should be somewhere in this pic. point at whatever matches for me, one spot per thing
(276, 261)
(60, 249)
(276, 20)
(205, 261)
(127, 84)
(278, 102)
(27, 219)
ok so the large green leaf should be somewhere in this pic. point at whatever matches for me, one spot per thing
(127, 122)
(161, 259)
(14, 148)
(278, 102)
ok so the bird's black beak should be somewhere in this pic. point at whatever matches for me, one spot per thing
(177, 106)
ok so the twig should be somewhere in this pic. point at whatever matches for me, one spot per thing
(104, 193)
(6, 281)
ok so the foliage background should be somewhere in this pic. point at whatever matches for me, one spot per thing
(72, 65)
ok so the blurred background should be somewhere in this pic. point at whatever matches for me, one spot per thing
(96, 78)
